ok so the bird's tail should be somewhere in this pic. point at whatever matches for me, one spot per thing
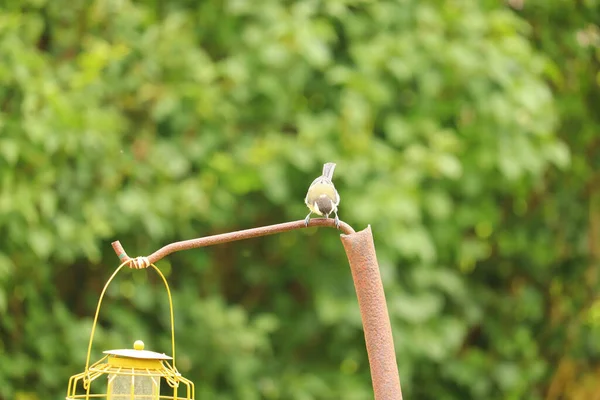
(328, 169)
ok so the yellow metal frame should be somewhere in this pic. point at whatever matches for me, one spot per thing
(87, 361)
(101, 367)
(131, 367)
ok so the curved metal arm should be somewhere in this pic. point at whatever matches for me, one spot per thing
(143, 262)
(360, 250)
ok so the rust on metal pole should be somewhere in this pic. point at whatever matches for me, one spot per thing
(360, 250)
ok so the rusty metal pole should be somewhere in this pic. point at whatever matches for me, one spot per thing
(360, 250)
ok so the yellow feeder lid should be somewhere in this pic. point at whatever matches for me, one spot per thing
(138, 352)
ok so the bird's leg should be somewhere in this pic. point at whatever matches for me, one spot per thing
(337, 221)
(307, 219)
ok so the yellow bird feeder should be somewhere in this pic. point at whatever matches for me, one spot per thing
(132, 374)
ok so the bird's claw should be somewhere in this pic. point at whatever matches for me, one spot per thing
(307, 220)
(337, 222)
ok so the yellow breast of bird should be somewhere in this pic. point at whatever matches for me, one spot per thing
(317, 190)
(326, 189)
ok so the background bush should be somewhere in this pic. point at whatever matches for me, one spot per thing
(466, 134)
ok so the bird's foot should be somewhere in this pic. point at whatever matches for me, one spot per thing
(337, 221)
(307, 220)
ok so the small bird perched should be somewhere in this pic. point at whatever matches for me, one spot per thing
(322, 198)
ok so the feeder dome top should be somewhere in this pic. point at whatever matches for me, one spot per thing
(138, 352)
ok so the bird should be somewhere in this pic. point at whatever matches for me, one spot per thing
(322, 198)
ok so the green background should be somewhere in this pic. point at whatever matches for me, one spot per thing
(466, 134)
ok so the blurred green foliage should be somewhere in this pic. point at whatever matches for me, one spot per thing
(466, 134)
